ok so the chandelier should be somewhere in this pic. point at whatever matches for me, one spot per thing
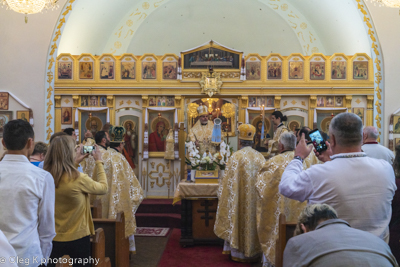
(388, 3)
(30, 6)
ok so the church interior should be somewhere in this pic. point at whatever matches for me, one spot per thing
(153, 68)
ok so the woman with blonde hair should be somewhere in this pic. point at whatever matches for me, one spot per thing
(73, 219)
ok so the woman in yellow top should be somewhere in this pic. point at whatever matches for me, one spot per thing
(73, 218)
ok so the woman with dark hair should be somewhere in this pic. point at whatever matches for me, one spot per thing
(394, 226)
(73, 219)
(277, 120)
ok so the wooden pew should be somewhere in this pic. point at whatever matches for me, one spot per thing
(96, 208)
(286, 231)
(98, 249)
(117, 251)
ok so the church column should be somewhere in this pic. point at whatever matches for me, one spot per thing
(312, 105)
(75, 100)
(57, 113)
(348, 102)
(277, 102)
(370, 110)
(111, 107)
(243, 104)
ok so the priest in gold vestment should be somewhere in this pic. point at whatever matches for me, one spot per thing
(201, 132)
(124, 191)
(270, 203)
(236, 215)
(277, 120)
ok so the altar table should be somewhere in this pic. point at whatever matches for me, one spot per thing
(198, 212)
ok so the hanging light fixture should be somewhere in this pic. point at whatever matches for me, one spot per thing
(388, 3)
(30, 6)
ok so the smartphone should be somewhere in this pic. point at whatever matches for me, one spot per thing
(88, 149)
(318, 141)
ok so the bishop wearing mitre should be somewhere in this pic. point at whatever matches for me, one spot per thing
(237, 198)
(201, 132)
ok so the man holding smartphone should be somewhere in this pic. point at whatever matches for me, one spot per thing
(359, 188)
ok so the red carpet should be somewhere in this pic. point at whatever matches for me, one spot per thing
(198, 256)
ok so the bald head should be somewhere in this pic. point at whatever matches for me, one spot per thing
(370, 133)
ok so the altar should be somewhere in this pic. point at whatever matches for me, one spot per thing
(199, 208)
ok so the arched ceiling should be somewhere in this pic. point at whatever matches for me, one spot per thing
(252, 26)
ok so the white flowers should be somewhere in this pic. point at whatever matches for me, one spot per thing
(223, 155)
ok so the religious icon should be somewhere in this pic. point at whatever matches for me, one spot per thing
(152, 101)
(295, 70)
(320, 101)
(325, 124)
(274, 70)
(106, 70)
(85, 70)
(66, 115)
(160, 126)
(170, 70)
(360, 70)
(170, 101)
(93, 124)
(257, 123)
(253, 70)
(396, 124)
(359, 112)
(64, 70)
(317, 70)
(339, 70)
(94, 101)
(130, 138)
(211, 56)
(338, 101)
(161, 101)
(103, 101)
(5, 117)
(149, 70)
(127, 70)
(293, 125)
(84, 101)
(270, 101)
(260, 101)
(252, 101)
(4, 101)
(23, 115)
(329, 101)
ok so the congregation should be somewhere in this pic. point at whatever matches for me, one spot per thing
(351, 217)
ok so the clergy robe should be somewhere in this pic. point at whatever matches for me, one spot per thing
(200, 132)
(271, 204)
(236, 215)
(124, 191)
(273, 144)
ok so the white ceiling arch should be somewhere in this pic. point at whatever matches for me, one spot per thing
(253, 26)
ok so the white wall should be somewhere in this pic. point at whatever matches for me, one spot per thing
(387, 24)
(23, 52)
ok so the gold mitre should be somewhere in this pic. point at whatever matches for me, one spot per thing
(246, 132)
(202, 110)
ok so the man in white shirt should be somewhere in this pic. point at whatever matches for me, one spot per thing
(371, 147)
(358, 187)
(27, 196)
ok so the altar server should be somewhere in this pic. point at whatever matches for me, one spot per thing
(237, 197)
(277, 120)
(124, 191)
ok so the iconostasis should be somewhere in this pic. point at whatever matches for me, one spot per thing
(154, 96)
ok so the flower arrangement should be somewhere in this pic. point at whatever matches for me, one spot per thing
(221, 157)
(208, 161)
